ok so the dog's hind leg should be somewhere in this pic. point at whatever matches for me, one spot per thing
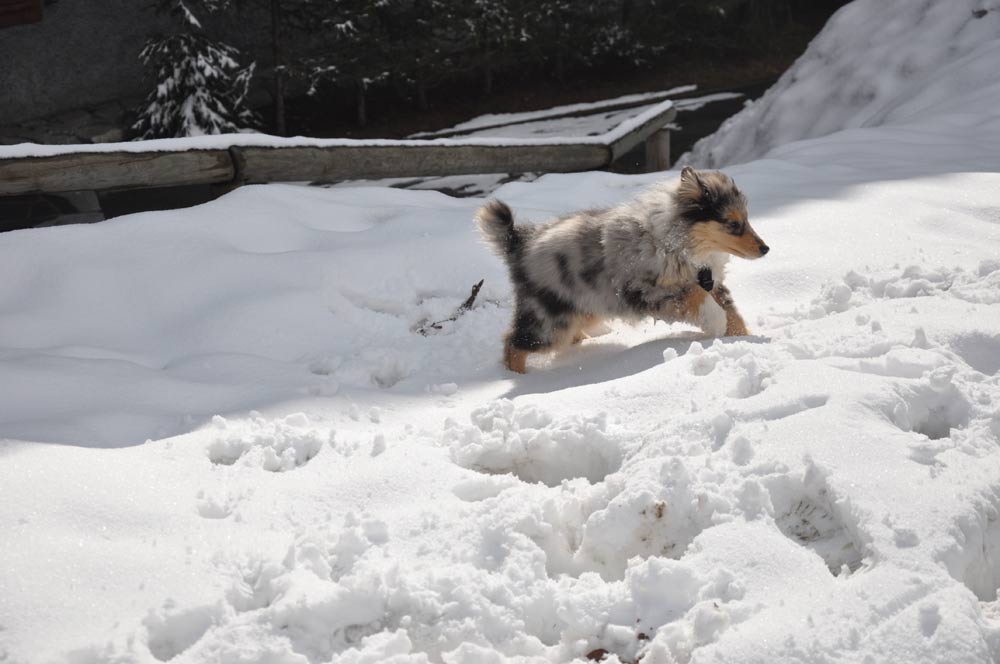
(515, 359)
(530, 332)
(582, 325)
(735, 325)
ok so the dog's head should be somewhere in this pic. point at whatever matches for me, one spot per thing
(716, 211)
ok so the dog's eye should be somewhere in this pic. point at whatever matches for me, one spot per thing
(734, 227)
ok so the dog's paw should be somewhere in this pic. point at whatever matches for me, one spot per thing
(735, 327)
(705, 279)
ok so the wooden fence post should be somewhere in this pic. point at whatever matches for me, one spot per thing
(658, 151)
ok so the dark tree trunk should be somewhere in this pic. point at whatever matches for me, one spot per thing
(279, 69)
(560, 51)
(626, 12)
(361, 104)
(422, 93)
(488, 70)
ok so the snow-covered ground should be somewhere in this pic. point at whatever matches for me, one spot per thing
(225, 442)
(875, 63)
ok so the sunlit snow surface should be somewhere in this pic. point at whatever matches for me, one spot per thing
(323, 484)
(876, 62)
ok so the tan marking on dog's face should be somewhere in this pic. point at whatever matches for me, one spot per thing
(733, 235)
(735, 215)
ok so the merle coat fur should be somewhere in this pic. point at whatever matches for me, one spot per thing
(641, 258)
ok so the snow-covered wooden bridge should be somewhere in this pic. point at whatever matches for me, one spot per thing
(237, 159)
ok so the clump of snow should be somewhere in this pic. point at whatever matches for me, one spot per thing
(876, 63)
(533, 445)
(274, 445)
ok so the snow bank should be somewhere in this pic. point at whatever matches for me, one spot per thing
(827, 488)
(876, 63)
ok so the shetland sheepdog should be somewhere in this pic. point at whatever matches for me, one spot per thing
(662, 254)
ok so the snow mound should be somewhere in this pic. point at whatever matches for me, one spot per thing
(875, 63)
(274, 445)
(533, 445)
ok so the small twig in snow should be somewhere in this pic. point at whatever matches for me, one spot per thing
(425, 328)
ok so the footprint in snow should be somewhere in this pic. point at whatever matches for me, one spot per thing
(814, 526)
(274, 445)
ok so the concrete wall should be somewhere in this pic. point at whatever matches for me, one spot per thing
(84, 52)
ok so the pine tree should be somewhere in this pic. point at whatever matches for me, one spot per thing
(201, 88)
(288, 31)
(567, 33)
(554, 33)
(494, 26)
(425, 40)
(356, 52)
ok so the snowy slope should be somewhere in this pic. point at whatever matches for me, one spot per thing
(224, 442)
(876, 63)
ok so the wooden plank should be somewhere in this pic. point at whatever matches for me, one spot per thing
(639, 134)
(341, 162)
(113, 170)
(658, 151)
(261, 164)
(579, 113)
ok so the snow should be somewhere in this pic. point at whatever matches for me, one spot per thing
(587, 125)
(876, 63)
(224, 441)
(494, 120)
(542, 123)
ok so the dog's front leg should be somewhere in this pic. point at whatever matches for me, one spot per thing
(735, 326)
(704, 311)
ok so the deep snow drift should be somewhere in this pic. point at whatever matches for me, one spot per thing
(877, 62)
(323, 484)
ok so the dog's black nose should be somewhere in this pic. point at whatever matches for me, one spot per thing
(764, 249)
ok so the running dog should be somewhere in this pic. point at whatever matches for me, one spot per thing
(661, 255)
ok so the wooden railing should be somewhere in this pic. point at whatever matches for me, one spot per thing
(253, 158)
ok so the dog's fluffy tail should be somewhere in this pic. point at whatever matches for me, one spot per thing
(496, 223)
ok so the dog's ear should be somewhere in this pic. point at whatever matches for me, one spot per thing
(689, 174)
(692, 186)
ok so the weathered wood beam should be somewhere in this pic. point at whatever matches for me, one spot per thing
(77, 171)
(267, 164)
(578, 113)
(639, 134)
(658, 151)
(326, 161)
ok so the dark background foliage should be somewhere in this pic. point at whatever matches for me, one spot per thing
(390, 67)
